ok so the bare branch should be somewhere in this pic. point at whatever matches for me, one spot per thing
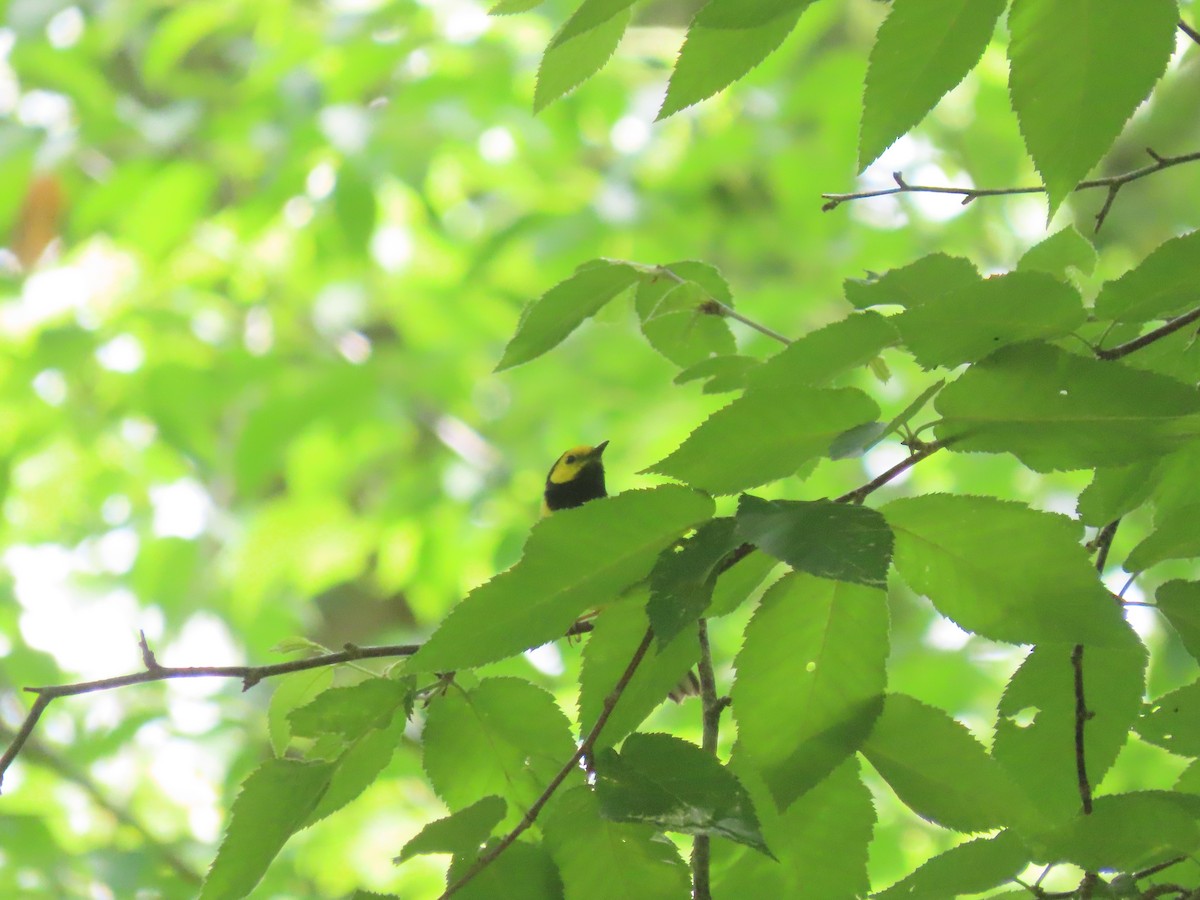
(1112, 183)
(585, 750)
(1189, 31)
(711, 706)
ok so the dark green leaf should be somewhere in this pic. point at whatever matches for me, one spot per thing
(460, 833)
(524, 871)
(810, 679)
(938, 768)
(823, 538)
(1003, 571)
(274, 802)
(574, 560)
(1072, 99)
(922, 50)
(970, 322)
(1055, 410)
(766, 434)
(682, 581)
(914, 284)
(661, 780)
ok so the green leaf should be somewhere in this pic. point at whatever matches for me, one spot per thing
(1063, 250)
(970, 868)
(505, 737)
(351, 711)
(724, 42)
(922, 50)
(293, 691)
(968, 323)
(1179, 602)
(661, 780)
(1173, 721)
(1161, 285)
(1055, 410)
(689, 336)
(1116, 491)
(524, 871)
(914, 284)
(1126, 832)
(1176, 537)
(682, 581)
(739, 584)
(359, 765)
(619, 629)
(1073, 98)
(906, 414)
(574, 560)
(830, 540)
(579, 51)
(820, 842)
(274, 802)
(820, 356)
(810, 680)
(937, 768)
(509, 7)
(658, 293)
(558, 312)
(724, 373)
(600, 859)
(1036, 720)
(1003, 571)
(766, 434)
(460, 833)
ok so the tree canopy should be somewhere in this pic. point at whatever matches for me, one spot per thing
(888, 311)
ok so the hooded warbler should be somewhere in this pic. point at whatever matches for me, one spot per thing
(575, 478)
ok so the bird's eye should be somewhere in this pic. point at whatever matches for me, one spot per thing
(570, 458)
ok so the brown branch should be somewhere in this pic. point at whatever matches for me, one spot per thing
(712, 705)
(1102, 544)
(585, 750)
(250, 676)
(1112, 183)
(1149, 337)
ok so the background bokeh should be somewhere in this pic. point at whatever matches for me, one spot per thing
(259, 261)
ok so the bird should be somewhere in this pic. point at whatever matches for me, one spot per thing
(576, 477)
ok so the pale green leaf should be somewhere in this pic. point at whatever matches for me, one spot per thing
(1161, 285)
(1064, 250)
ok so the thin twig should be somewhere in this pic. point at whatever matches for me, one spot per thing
(249, 675)
(711, 705)
(585, 749)
(1112, 183)
(1189, 31)
(1149, 337)
(714, 307)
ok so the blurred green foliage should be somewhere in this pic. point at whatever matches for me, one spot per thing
(261, 260)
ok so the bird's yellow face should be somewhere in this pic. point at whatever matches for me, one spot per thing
(569, 465)
(575, 478)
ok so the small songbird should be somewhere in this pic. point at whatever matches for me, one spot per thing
(575, 478)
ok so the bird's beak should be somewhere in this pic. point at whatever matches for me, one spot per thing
(599, 449)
